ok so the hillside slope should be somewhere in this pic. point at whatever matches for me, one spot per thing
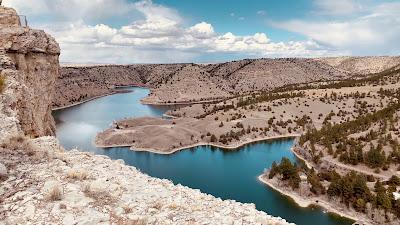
(184, 83)
(362, 65)
(171, 83)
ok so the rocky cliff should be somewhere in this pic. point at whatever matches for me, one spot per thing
(40, 183)
(29, 65)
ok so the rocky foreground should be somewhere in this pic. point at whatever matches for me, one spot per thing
(48, 185)
(40, 183)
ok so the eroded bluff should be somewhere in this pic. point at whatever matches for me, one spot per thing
(29, 66)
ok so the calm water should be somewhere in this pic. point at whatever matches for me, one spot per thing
(225, 174)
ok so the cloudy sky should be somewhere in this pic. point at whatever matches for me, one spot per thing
(162, 31)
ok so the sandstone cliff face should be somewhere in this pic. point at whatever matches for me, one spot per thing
(29, 63)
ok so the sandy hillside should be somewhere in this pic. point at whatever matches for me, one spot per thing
(362, 65)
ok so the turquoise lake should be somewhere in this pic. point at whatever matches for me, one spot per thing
(224, 174)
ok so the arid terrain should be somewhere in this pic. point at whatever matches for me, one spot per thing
(344, 126)
(188, 83)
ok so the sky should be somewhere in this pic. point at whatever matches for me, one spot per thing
(169, 31)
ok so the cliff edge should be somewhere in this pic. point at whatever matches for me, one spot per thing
(29, 65)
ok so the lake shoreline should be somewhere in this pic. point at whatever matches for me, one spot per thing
(304, 203)
(112, 92)
(225, 147)
(155, 103)
(84, 101)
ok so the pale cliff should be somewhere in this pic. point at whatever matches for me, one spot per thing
(29, 60)
(40, 183)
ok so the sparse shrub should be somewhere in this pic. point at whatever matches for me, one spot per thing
(213, 138)
(2, 83)
(55, 193)
(20, 142)
(127, 209)
(370, 178)
(77, 174)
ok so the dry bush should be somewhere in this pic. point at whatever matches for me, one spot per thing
(127, 209)
(2, 83)
(157, 205)
(115, 219)
(101, 198)
(55, 194)
(20, 142)
(77, 174)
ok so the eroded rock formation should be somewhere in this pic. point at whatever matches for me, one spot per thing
(29, 60)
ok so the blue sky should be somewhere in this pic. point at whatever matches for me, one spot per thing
(242, 17)
(163, 31)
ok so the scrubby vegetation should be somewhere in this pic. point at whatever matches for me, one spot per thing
(266, 97)
(335, 138)
(2, 83)
(351, 189)
(387, 76)
(288, 170)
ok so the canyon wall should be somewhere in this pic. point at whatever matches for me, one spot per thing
(29, 65)
(184, 83)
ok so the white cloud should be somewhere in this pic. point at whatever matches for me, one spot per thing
(261, 12)
(337, 7)
(375, 32)
(156, 34)
(72, 9)
(202, 30)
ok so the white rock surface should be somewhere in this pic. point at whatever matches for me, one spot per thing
(114, 192)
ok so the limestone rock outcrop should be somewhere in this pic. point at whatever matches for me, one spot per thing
(29, 64)
(8, 17)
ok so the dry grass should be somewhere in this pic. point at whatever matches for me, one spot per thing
(55, 194)
(157, 205)
(115, 219)
(80, 174)
(101, 198)
(2, 83)
(20, 142)
(127, 209)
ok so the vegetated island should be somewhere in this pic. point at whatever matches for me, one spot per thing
(349, 136)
